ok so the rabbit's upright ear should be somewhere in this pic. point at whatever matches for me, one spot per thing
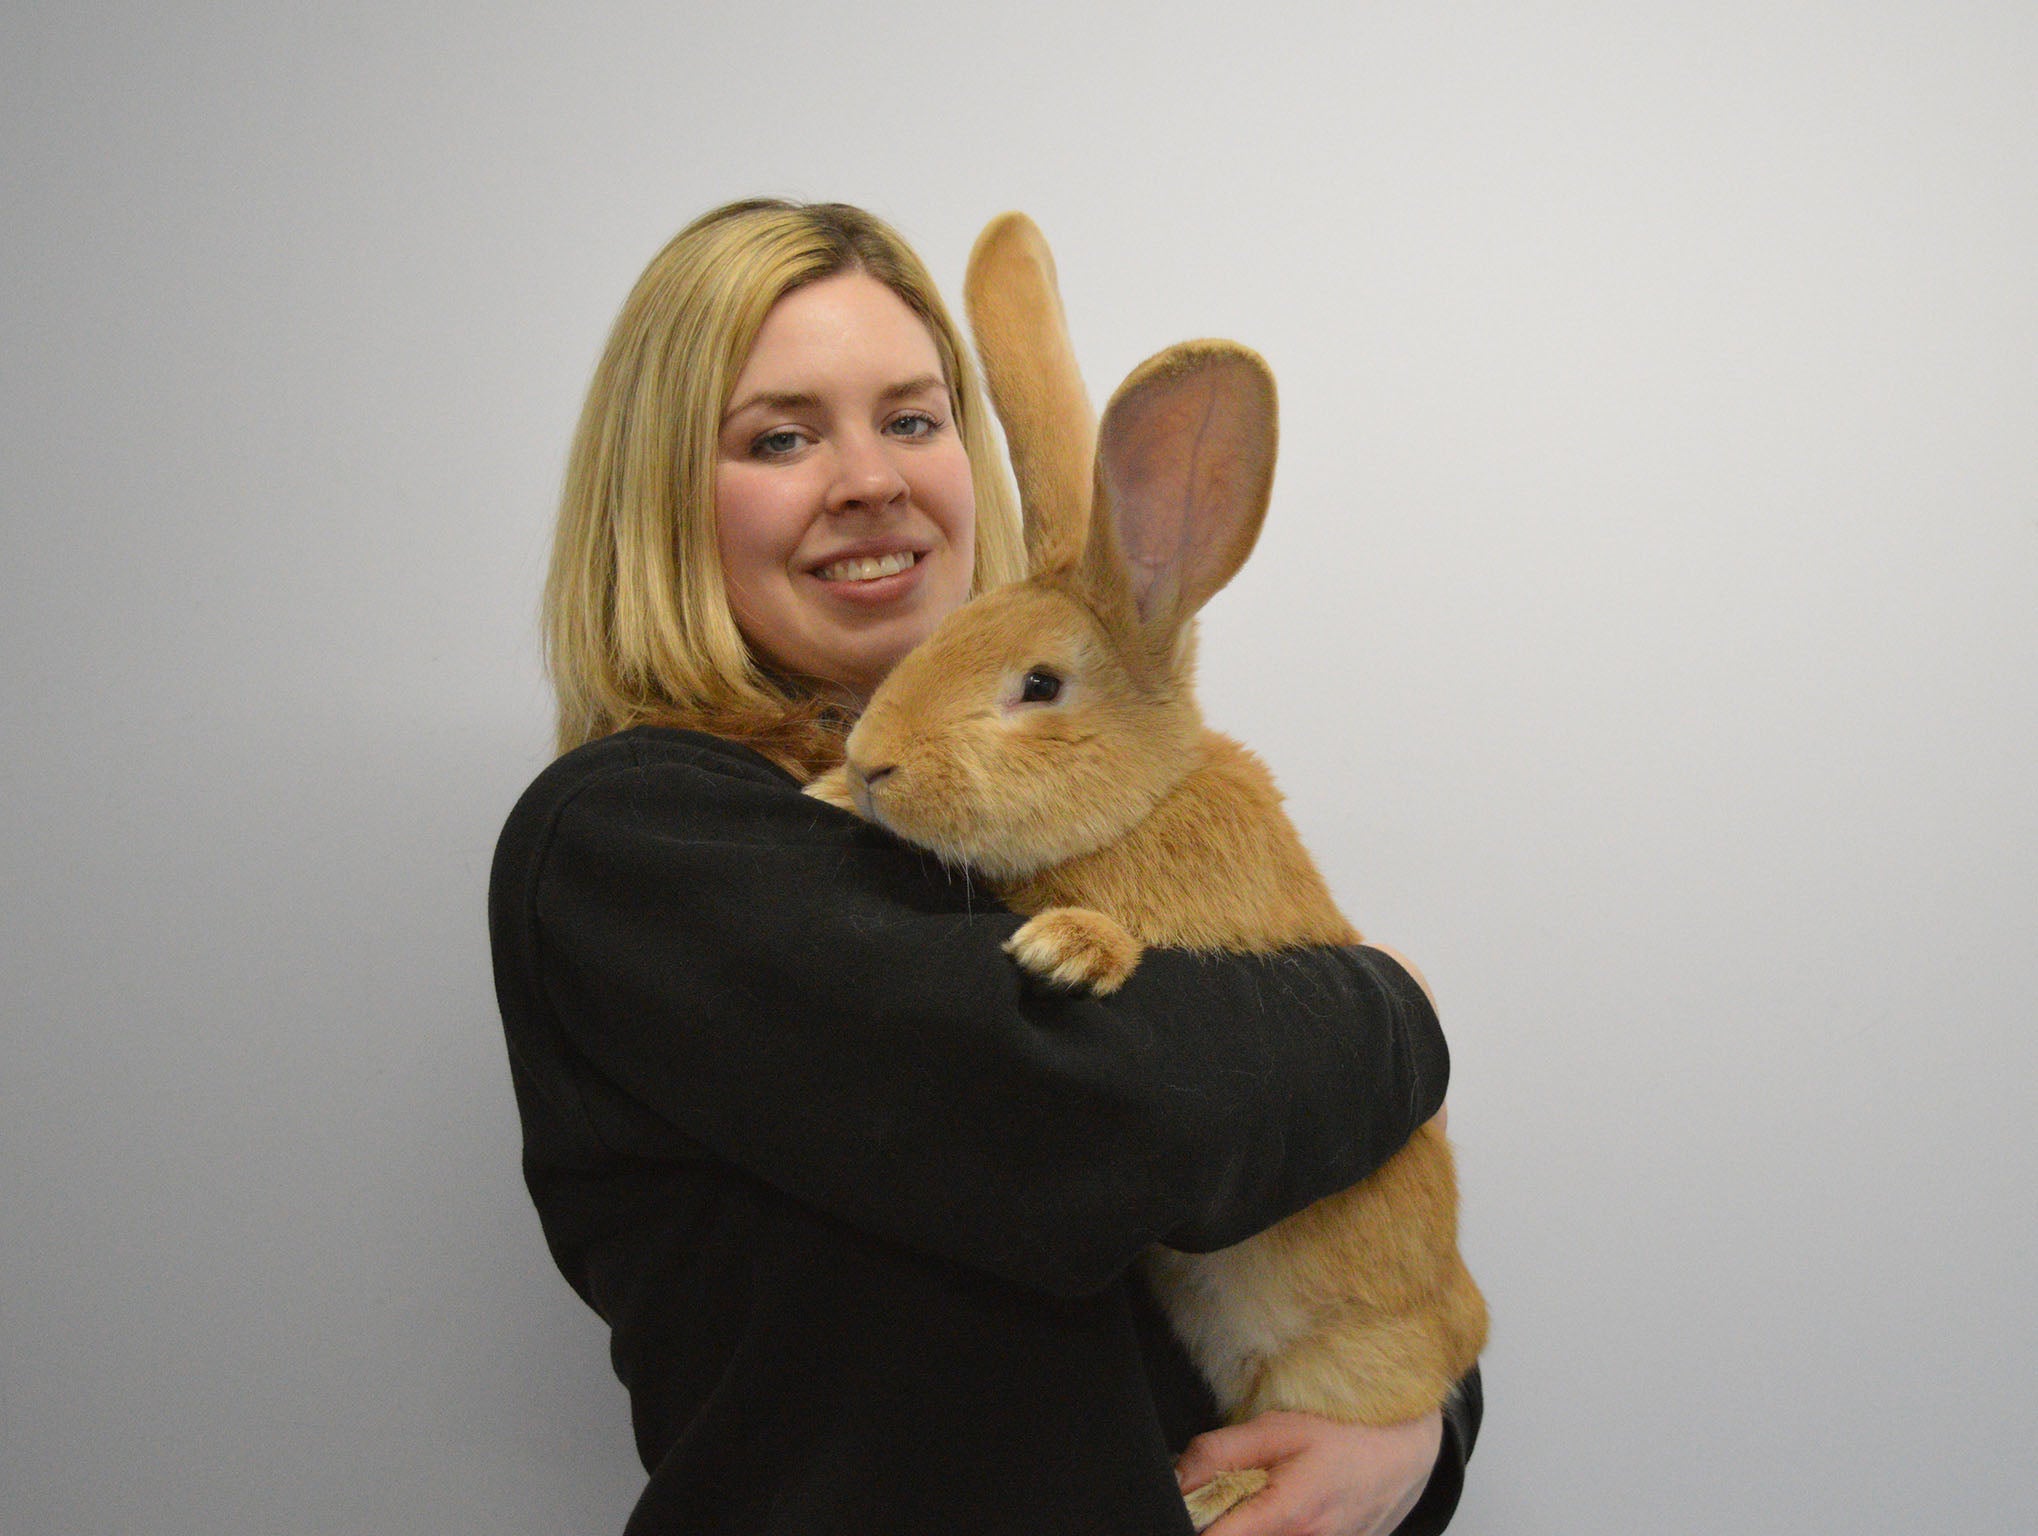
(1185, 464)
(1022, 337)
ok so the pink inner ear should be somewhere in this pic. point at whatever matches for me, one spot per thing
(1186, 458)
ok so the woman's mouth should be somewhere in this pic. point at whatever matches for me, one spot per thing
(868, 567)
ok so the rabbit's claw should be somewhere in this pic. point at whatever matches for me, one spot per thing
(1076, 947)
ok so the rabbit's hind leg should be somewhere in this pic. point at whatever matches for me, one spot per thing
(1223, 1493)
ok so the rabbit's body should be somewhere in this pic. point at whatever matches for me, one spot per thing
(1357, 1308)
(1046, 735)
(1216, 864)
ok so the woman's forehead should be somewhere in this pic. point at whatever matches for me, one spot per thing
(846, 326)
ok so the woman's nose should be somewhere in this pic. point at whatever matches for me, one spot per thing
(866, 478)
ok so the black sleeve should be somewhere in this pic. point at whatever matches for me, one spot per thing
(1462, 1414)
(696, 959)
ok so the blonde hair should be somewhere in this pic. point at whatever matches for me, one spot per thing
(637, 622)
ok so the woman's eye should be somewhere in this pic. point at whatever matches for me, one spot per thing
(1039, 687)
(775, 445)
(915, 424)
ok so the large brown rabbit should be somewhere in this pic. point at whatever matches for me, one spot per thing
(1046, 736)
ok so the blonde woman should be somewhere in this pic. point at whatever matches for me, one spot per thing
(859, 1207)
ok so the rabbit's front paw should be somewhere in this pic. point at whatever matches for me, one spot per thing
(1076, 947)
(833, 787)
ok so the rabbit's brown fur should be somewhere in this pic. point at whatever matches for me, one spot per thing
(1115, 819)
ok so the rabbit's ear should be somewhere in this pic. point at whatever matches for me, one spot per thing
(1185, 464)
(1022, 339)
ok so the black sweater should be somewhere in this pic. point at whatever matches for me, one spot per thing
(858, 1201)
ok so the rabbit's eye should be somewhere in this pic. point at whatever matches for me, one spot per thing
(1040, 687)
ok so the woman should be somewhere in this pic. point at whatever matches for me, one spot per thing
(859, 1207)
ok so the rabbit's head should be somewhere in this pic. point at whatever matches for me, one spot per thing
(1045, 719)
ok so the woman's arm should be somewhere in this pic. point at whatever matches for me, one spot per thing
(693, 957)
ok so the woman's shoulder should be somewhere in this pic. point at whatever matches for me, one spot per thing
(654, 751)
(657, 746)
(667, 774)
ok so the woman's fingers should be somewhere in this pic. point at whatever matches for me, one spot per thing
(1325, 1478)
(1258, 1442)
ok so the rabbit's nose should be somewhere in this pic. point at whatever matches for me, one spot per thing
(860, 782)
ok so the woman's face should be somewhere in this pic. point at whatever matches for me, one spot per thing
(844, 510)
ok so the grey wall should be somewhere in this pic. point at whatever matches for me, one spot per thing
(1645, 630)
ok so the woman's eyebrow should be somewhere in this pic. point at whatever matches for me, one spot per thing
(800, 400)
(924, 384)
(776, 400)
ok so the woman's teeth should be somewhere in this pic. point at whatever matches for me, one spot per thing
(868, 568)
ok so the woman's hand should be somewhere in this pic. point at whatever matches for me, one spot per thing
(1323, 1478)
(1407, 965)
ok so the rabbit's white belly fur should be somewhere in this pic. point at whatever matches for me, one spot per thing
(1231, 1311)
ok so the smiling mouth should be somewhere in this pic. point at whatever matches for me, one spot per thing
(868, 567)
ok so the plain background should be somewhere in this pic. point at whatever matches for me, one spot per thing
(1646, 631)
